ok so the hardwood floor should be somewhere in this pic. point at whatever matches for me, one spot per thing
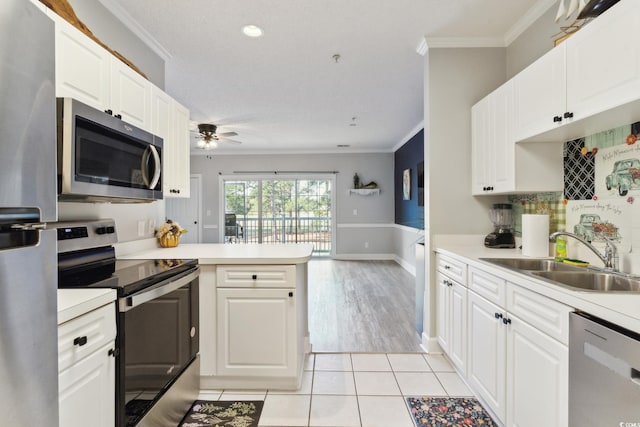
(361, 306)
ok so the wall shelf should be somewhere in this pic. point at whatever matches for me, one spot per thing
(364, 191)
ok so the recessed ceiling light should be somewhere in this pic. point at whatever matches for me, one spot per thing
(343, 145)
(252, 31)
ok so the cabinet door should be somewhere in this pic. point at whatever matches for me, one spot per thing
(178, 158)
(487, 336)
(458, 329)
(504, 162)
(82, 67)
(603, 65)
(87, 391)
(537, 378)
(443, 311)
(540, 94)
(256, 332)
(130, 95)
(482, 160)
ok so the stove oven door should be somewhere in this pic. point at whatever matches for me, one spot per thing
(158, 339)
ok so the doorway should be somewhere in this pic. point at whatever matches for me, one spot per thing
(279, 210)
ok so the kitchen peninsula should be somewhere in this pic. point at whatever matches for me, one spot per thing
(253, 312)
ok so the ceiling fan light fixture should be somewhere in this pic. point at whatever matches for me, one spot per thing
(252, 31)
(211, 144)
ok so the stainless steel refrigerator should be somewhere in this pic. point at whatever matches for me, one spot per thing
(28, 263)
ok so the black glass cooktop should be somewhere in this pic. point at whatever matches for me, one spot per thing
(126, 276)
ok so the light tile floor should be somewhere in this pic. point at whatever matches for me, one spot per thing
(354, 390)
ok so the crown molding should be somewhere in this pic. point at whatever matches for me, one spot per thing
(410, 135)
(128, 21)
(462, 42)
(532, 15)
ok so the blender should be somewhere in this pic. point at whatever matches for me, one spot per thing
(501, 216)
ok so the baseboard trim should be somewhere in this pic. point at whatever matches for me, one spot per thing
(365, 257)
(430, 345)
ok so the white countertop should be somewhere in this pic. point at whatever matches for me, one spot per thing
(76, 302)
(218, 253)
(621, 308)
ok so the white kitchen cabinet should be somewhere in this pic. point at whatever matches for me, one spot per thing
(537, 377)
(587, 84)
(518, 356)
(487, 355)
(91, 74)
(492, 142)
(130, 95)
(540, 95)
(83, 67)
(257, 332)
(451, 311)
(86, 366)
(177, 162)
(257, 321)
(499, 165)
(170, 121)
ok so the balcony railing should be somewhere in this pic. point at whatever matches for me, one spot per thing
(316, 230)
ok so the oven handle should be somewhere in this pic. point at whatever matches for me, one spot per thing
(127, 303)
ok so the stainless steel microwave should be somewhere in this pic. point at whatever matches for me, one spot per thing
(102, 158)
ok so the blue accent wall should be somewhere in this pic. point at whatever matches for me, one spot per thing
(409, 156)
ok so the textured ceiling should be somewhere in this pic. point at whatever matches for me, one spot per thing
(285, 91)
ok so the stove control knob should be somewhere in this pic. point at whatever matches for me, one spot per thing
(101, 230)
(111, 229)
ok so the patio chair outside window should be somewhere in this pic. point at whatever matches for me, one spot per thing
(232, 230)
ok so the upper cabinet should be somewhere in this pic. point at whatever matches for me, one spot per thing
(589, 83)
(89, 73)
(493, 147)
(540, 95)
(499, 165)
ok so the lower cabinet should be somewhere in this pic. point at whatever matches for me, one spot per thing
(516, 353)
(452, 320)
(258, 324)
(537, 378)
(487, 356)
(86, 364)
(257, 332)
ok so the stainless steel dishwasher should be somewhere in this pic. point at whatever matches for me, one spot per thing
(604, 374)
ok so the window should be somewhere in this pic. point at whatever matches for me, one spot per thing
(280, 211)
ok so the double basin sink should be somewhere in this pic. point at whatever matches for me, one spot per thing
(569, 276)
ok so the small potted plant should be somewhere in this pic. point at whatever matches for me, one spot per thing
(169, 234)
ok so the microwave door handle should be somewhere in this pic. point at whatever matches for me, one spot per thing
(145, 170)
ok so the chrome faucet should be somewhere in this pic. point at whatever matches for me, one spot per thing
(610, 256)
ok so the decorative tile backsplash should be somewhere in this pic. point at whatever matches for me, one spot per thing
(601, 198)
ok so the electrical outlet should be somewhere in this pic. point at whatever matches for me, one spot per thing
(141, 228)
(152, 226)
(208, 212)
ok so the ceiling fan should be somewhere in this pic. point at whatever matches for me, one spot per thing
(208, 139)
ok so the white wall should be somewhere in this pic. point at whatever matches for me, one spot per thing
(375, 214)
(455, 79)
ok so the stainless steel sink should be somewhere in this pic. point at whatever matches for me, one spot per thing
(591, 280)
(531, 264)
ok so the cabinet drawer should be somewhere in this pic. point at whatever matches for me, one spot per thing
(83, 335)
(256, 276)
(544, 314)
(453, 268)
(488, 286)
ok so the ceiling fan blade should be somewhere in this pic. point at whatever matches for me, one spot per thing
(231, 141)
(225, 134)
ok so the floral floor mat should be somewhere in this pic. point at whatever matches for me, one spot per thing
(448, 412)
(206, 413)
